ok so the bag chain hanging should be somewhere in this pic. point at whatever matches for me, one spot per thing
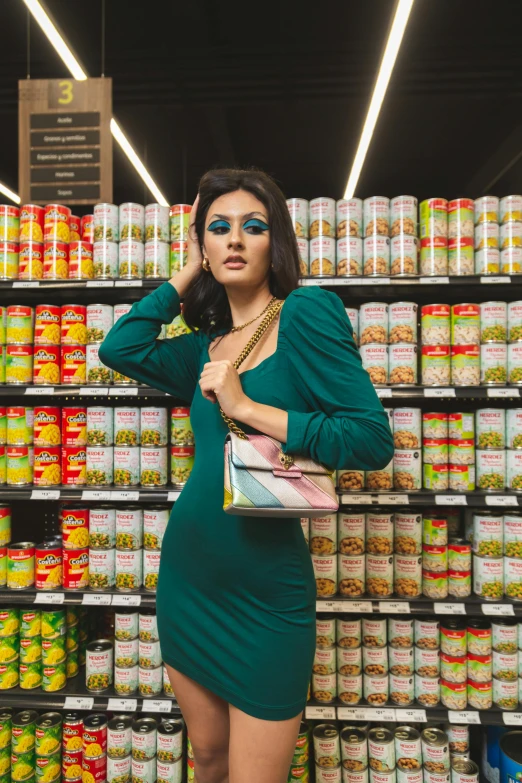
(272, 312)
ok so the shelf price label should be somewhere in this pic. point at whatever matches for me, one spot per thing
(320, 713)
(394, 607)
(434, 280)
(365, 713)
(49, 598)
(466, 716)
(498, 610)
(495, 279)
(157, 705)
(173, 496)
(100, 283)
(128, 283)
(439, 392)
(512, 718)
(123, 705)
(503, 392)
(125, 496)
(26, 284)
(126, 600)
(41, 391)
(95, 494)
(330, 606)
(363, 500)
(78, 703)
(384, 392)
(96, 599)
(501, 500)
(45, 494)
(93, 391)
(393, 500)
(451, 500)
(417, 716)
(123, 391)
(443, 608)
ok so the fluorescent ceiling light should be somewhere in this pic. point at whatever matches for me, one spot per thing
(400, 21)
(75, 69)
(9, 193)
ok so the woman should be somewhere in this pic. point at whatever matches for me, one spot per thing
(236, 595)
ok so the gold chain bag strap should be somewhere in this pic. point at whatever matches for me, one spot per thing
(260, 480)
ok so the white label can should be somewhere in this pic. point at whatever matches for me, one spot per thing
(404, 256)
(119, 769)
(349, 215)
(353, 317)
(373, 323)
(150, 654)
(400, 632)
(120, 310)
(298, 209)
(514, 321)
(375, 361)
(514, 470)
(514, 428)
(155, 520)
(493, 322)
(403, 215)
(351, 575)
(169, 772)
(128, 570)
(427, 690)
(153, 466)
(125, 625)
(379, 532)
(351, 532)
(105, 260)
(150, 681)
(127, 426)
(402, 690)
(408, 575)
(99, 465)
(157, 222)
(349, 661)
(349, 632)
(157, 258)
(325, 570)
(153, 425)
(407, 469)
(376, 256)
(99, 665)
(130, 259)
(374, 632)
(126, 466)
(488, 577)
(151, 562)
(322, 217)
(100, 319)
(349, 256)
(97, 372)
(403, 322)
(402, 364)
(490, 428)
(375, 661)
(144, 770)
(493, 364)
(376, 216)
(126, 680)
(487, 235)
(487, 534)
(407, 533)
(129, 528)
(102, 528)
(512, 580)
(514, 362)
(126, 653)
(101, 569)
(401, 661)
(513, 534)
(322, 256)
(491, 470)
(99, 426)
(376, 692)
(379, 575)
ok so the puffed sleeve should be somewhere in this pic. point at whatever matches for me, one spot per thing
(344, 423)
(132, 348)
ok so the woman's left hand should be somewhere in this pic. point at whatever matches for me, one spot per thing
(220, 382)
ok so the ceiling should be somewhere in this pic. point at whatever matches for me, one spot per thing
(285, 86)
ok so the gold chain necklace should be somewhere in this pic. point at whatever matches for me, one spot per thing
(238, 328)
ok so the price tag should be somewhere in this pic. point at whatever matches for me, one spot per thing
(384, 392)
(123, 705)
(434, 280)
(320, 713)
(392, 500)
(417, 716)
(26, 284)
(45, 494)
(495, 279)
(501, 500)
(78, 703)
(126, 600)
(40, 391)
(93, 391)
(503, 392)
(96, 599)
(125, 496)
(158, 705)
(451, 500)
(364, 500)
(512, 718)
(366, 713)
(123, 391)
(330, 606)
(128, 283)
(394, 607)
(357, 606)
(497, 610)
(95, 494)
(49, 598)
(467, 716)
(442, 608)
(100, 283)
(173, 496)
(440, 392)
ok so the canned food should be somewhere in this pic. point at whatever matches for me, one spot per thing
(511, 261)
(73, 324)
(354, 749)
(487, 534)
(18, 364)
(407, 533)
(376, 210)
(150, 681)
(20, 426)
(128, 570)
(453, 667)
(465, 365)
(375, 361)
(48, 566)
(322, 256)
(401, 661)
(349, 256)
(99, 665)
(99, 322)
(402, 364)
(491, 469)
(101, 569)
(74, 364)
(131, 258)
(126, 466)
(480, 695)
(155, 521)
(105, 259)
(180, 220)
(379, 575)
(488, 577)
(408, 575)
(99, 465)
(407, 465)
(381, 749)
(433, 256)
(505, 693)
(376, 256)
(433, 215)
(322, 217)
(374, 632)
(126, 625)
(153, 466)
(126, 680)
(75, 569)
(487, 235)
(349, 632)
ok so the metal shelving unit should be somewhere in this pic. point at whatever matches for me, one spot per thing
(414, 713)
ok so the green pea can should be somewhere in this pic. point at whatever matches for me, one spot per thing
(54, 677)
(53, 624)
(9, 648)
(22, 766)
(6, 721)
(48, 734)
(24, 730)
(30, 624)
(9, 622)
(30, 675)
(181, 463)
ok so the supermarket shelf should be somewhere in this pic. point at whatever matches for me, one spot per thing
(21, 390)
(106, 495)
(76, 696)
(415, 713)
(76, 597)
(363, 287)
(426, 498)
(447, 392)
(470, 606)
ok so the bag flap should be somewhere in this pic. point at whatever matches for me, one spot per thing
(260, 452)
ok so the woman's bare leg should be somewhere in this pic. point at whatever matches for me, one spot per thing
(207, 719)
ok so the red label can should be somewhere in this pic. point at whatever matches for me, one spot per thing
(87, 226)
(56, 260)
(74, 465)
(30, 260)
(72, 732)
(74, 324)
(48, 567)
(47, 469)
(94, 733)
(57, 220)
(46, 365)
(80, 261)
(74, 364)
(47, 325)
(75, 527)
(47, 426)
(31, 222)
(74, 426)
(71, 760)
(75, 228)
(96, 767)
(75, 569)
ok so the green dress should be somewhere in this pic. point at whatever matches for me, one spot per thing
(236, 595)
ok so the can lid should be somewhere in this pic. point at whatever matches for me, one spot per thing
(49, 719)
(464, 765)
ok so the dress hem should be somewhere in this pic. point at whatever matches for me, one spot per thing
(260, 711)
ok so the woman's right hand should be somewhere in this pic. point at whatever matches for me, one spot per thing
(194, 254)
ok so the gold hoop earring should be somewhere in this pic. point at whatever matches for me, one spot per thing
(206, 264)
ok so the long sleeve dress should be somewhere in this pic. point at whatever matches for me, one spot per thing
(236, 595)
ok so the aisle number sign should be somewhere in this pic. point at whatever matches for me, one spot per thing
(65, 143)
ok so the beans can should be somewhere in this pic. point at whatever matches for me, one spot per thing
(465, 365)
(20, 426)
(374, 632)
(157, 223)
(407, 465)
(376, 212)
(381, 749)
(480, 695)
(126, 680)
(101, 569)
(407, 575)
(401, 661)
(401, 690)
(373, 323)
(348, 660)
(322, 256)
(351, 570)
(128, 570)
(153, 466)
(348, 632)
(99, 465)
(75, 569)
(325, 570)
(408, 752)
(400, 632)
(379, 575)
(349, 214)
(376, 256)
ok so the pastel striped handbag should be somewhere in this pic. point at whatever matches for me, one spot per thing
(262, 481)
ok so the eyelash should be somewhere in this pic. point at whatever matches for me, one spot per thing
(221, 228)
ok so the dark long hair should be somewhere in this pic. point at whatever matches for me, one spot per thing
(206, 304)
